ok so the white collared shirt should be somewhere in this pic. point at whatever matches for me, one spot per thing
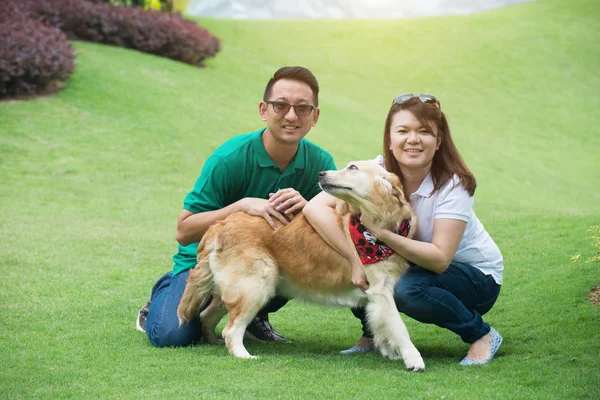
(452, 201)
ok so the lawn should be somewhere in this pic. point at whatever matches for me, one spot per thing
(93, 180)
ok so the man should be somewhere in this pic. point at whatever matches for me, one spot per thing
(270, 173)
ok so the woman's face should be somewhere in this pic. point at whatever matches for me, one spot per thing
(413, 144)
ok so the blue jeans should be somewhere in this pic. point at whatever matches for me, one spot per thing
(162, 324)
(455, 299)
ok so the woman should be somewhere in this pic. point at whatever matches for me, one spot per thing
(456, 268)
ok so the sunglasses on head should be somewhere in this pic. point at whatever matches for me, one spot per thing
(425, 98)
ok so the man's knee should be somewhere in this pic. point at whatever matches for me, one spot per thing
(174, 337)
(274, 305)
(166, 332)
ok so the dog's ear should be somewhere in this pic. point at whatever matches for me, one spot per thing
(390, 184)
(385, 182)
(397, 191)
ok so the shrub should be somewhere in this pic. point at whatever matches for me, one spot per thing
(595, 231)
(34, 58)
(164, 5)
(162, 34)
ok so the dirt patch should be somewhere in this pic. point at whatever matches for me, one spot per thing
(594, 296)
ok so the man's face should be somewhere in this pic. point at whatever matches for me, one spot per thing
(289, 128)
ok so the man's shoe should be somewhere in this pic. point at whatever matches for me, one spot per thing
(140, 323)
(260, 329)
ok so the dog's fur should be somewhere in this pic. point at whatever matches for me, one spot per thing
(246, 261)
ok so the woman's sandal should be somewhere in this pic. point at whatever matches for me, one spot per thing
(355, 350)
(495, 342)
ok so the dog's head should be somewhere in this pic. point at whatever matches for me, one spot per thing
(367, 187)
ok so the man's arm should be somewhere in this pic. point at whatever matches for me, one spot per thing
(191, 227)
(208, 202)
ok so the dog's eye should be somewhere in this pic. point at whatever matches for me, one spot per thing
(352, 166)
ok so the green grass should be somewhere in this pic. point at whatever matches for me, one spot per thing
(93, 178)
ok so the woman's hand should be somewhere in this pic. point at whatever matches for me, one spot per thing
(359, 279)
(369, 223)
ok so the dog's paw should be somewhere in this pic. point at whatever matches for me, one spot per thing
(384, 350)
(214, 341)
(241, 352)
(394, 356)
(416, 368)
(246, 356)
(388, 352)
(414, 361)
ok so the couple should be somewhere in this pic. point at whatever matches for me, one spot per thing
(456, 268)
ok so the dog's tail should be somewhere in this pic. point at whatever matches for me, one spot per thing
(198, 288)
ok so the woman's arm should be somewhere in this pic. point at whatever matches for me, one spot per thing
(321, 215)
(434, 256)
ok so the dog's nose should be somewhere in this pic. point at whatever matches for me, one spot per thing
(322, 173)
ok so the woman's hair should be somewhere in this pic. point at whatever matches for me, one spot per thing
(299, 74)
(447, 161)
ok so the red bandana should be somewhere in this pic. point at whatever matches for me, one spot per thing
(369, 248)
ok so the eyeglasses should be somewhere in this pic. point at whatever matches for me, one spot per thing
(301, 110)
(425, 98)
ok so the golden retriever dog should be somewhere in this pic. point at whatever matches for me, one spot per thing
(242, 262)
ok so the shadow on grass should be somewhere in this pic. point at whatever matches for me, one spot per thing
(330, 351)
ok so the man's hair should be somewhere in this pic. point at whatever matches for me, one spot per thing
(299, 74)
(447, 161)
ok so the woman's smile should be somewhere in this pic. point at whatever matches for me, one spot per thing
(412, 143)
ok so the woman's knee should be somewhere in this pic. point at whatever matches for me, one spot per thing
(409, 292)
(406, 295)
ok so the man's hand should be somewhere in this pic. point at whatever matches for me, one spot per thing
(262, 208)
(288, 201)
(359, 279)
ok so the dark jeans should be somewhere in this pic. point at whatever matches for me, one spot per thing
(162, 324)
(455, 299)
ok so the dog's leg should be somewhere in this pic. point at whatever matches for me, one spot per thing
(376, 309)
(210, 317)
(390, 333)
(241, 313)
(244, 299)
(234, 333)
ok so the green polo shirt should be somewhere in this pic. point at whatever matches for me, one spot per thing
(242, 168)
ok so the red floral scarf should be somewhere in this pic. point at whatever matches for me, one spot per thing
(369, 248)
